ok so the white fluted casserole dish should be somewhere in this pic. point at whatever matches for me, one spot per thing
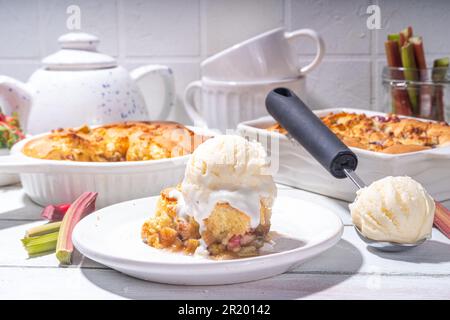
(295, 167)
(5, 178)
(56, 181)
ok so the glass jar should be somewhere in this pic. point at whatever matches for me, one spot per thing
(421, 93)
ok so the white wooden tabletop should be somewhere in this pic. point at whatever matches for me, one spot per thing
(349, 270)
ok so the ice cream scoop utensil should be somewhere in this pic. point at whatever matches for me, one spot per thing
(307, 129)
(354, 178)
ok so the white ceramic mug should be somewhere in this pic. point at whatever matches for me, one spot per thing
(224, 104)
(268, 56)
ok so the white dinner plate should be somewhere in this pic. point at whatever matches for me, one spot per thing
(111, 236)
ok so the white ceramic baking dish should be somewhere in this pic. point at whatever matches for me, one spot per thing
(297, 168)
(53, 181)
(7, 178)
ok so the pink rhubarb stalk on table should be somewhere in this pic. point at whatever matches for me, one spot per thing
(84, 205)
(57, 234)
(55, 212)
(442, 219)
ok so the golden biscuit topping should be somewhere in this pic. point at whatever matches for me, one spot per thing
(389, 134)
(227, 233)
(127, 141)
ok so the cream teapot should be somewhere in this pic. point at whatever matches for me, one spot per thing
(78, 85)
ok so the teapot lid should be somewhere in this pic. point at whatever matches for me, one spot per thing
(78, 52)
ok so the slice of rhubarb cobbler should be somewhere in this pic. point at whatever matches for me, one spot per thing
(224, 202)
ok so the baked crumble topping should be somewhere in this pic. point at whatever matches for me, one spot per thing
(389, 134)
(127, 141)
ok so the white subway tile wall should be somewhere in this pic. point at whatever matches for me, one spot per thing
(181, 33)
(19, 23)
(230, 21)
(98, 16)
(169, 28)
(342, 24)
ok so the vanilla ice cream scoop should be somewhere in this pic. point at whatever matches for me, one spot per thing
(228, 169)
(394, 209)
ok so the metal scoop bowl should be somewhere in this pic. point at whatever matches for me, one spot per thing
(388, 246)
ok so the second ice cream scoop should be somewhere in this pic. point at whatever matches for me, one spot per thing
(395, 209)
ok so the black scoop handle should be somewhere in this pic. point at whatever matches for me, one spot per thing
(305, 127)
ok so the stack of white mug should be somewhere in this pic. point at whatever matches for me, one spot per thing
(235, 82)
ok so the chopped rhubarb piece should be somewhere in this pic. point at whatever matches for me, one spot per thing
(81, 207)
(55, 212)
(419, 53)
(442, 219)
(44, 229)
(234, 243)
(440, 67)
(63, 207)
(410, 73)
(407, 33)
(41, 244)
(401, 40)
(247, 239)
(394, 37)
(393, 54)
(41, 239)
